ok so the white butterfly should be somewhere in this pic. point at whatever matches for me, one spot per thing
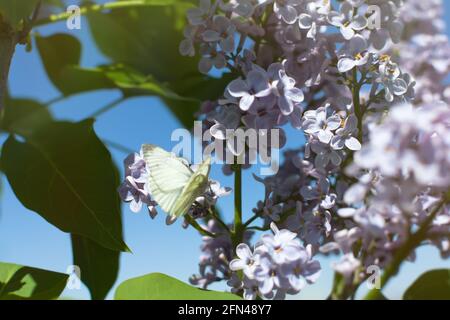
(172, 183)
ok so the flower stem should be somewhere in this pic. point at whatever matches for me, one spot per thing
(413, 242)
(357, 103)
(238, 230)
(197, 227)
(107, 108)
(219, 220)
(259, 228)
(252, 219)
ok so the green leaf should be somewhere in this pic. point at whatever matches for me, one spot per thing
(158, 286)
(24, 116)
(133, 37)
(55, 3)
(61, 54)
(65, 173)
(134, 83)
(378, 296)
(432, 285)
(14, 12)
(25, 283)
(99, 266)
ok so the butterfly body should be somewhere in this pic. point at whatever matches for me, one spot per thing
(172, 183)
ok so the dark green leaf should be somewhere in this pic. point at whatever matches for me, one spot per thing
(133, 37)
(99, 265)
(134, 83)
(14, 12)
(145, 61)
(145, 39)
(24, 116)
(158, 286)
(66, 174)
(55, 3)
(202, 87)
(378, 296)
(182, 97)
(432, 285)
(60, 54)
(26, 283)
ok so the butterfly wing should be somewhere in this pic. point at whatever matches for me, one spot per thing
(168, 176)
(195, 187)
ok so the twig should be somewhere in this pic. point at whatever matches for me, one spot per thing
(357, 103)
(28, 25)
(219, 220)
(107, 108)
(197, 227)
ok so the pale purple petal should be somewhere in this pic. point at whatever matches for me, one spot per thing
(353, 144)
(243, 251)
(346, 64)
(246, 102)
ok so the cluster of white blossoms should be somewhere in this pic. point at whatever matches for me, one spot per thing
(215, 257)
(404, 177)
(425, 50)
(364, 83)
(278, 265)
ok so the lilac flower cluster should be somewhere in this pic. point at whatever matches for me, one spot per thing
(268, 94)
(134, 191)
(424, 51)
(279, 265)
(217, 252)
(335, 86)
(403, 174)
(300, 198)
(215, 258)
(363, 81)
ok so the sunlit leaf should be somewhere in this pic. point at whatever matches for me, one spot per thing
(158, 286)
(432, 285)
(26, 283)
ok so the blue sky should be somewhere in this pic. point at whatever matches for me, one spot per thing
(26, 238)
